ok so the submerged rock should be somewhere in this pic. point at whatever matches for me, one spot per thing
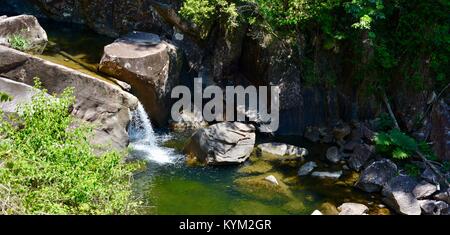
(281, 151)
(306, 168)
(149, 65)
(103, 104)
(222, 143)
(398, 195)
(350, 208)
(259, 187)
(257, 167)
(25, 27)
(376, 175)
(328, 209)
(324, 174)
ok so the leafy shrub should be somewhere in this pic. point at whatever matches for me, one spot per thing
(19, 42)
(204, 12)
(49, 167)
(401, 146)
(4, 97)
(396, 143)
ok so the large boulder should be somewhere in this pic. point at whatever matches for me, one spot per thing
(222, 143)
(361, 155)
(24, 27)
(151, 66)
(99, 102)
(376, 175)
(398, 195)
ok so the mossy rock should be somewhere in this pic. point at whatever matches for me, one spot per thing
(379, 211)
(328, 209)
(349, 179)
(295, 207)
(259, 187)
(292, 180)
(256, 167)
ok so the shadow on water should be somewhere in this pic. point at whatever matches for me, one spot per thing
(76, 40)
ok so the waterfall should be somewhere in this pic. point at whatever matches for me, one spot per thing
(144, 142)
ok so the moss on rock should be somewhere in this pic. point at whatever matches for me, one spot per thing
(259, 187)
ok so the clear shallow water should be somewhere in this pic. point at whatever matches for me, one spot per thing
(180, 189)
(169, 186)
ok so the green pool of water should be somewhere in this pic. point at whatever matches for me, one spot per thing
(181, 189)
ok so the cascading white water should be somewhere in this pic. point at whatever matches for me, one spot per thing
(143, 140)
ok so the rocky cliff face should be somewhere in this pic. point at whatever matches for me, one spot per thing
(249, 55)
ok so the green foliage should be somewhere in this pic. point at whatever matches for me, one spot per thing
(396, 143)
(204, 12)
(401, 146)
(19, 42)
(49, 167)
(5, 97)
(398, 40)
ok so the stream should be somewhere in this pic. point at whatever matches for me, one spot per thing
(169, 186)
